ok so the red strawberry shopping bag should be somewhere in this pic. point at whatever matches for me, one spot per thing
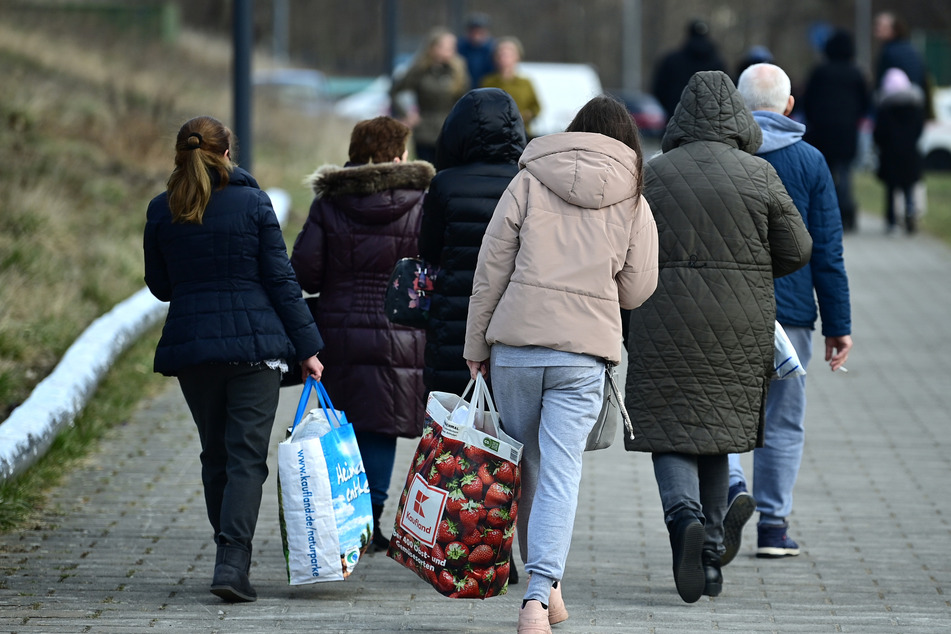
(456, 517)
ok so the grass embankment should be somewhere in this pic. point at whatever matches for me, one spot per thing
(87, 123)
(870, 196)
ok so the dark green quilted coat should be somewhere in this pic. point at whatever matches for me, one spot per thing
(701, 348)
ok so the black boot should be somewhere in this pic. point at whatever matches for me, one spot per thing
(379, 542)
(231, 581)
(711, 570)
(513, 572)
(686, 545)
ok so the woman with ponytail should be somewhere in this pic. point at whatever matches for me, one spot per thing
(236, 319)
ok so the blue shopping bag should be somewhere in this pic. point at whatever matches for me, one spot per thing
(324, 499)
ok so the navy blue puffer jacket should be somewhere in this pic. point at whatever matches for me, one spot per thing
(232, 293)
(476, 159)
(806, 177)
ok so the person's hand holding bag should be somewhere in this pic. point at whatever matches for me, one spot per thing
(476, 368)
(311, 366)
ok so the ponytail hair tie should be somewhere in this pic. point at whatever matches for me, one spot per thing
(188, 141)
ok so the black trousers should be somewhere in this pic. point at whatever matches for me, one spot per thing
(233, 407)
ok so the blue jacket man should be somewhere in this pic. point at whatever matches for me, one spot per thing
(766, 90)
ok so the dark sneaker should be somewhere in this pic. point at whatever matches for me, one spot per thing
(773, 542)
(739, 511)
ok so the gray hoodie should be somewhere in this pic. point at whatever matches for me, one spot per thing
(779, 131)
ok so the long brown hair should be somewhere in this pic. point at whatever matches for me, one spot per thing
(608, 116)
(199, 151)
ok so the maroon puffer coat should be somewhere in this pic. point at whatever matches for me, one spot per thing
(363, 220)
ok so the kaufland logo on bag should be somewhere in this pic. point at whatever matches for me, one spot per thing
(423, 510)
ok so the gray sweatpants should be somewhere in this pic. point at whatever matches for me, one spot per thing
(548, 400)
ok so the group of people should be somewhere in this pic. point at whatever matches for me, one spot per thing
(555, 254)
(835, 102)
(446, 67)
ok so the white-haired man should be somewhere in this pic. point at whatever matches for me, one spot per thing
(766, 90)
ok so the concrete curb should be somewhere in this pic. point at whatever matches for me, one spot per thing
(56, 401)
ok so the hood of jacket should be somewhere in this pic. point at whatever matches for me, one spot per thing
(778, 130)
(584, 169)
(710, 109)
(910, 96)
(483, 127)
(375, 193)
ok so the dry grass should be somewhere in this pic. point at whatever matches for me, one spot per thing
(87, 122)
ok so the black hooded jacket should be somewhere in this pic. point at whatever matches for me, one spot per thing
(835, 101)
(476, 158)
(676, 68)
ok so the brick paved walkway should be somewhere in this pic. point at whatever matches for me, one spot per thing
(125, 547)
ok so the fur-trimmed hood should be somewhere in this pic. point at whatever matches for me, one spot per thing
(332, 181)
(373, 194)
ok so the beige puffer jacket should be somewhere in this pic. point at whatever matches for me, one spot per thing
(568, 246)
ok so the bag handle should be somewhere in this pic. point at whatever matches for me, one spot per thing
(322, 397)
(462, 398)
(482, 403)
(609, 376)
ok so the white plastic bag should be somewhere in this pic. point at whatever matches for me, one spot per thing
(785, 359)
(324, 499)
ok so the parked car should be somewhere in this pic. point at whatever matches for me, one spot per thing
(935, 141)
(647, 112)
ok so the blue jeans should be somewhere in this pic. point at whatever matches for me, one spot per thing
(378, 453)
(776, 463)
(696, 485)
(551, 410)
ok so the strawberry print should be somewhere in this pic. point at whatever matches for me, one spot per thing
(448, 531)
(457, 554)
(481, 556)
(485, 576)
(466, 588)
(485, 474)
(472, 538)
(492, 537)
(426, 440)
(505, 473)
(437, 554)
(476, 454)
(446, 464)
(498, 495)
(471, 486)
(455, 500)
(470, 515)
(445, 582)
(497, 518)
(433, 478)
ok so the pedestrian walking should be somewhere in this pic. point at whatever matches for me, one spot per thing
(437, 78)
(508, 54)
(767, 92)
(365, 217)
(571, 242)
(214, 251)
(478, 151)
(835, 102)
(476, 47)
(477, 157)
(899, 122)
(675, 69)
(700, 354)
